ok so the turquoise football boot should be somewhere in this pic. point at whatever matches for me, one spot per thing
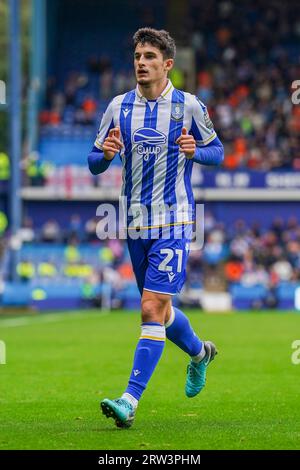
(120, 410)
(196, 372)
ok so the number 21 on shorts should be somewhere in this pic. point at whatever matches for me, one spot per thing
(170, 253)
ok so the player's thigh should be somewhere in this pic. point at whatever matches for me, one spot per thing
(138, 255)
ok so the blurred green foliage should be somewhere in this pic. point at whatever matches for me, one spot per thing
(4, 58)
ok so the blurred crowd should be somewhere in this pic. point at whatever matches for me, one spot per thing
(239, 254)
(52, 232)
(251, 255)
(247, 56)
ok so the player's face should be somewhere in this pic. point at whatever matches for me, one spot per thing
(150, 65)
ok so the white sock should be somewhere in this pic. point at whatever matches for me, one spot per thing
(201, 354)
(133, 401)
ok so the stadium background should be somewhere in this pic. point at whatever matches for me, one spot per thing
(240, 58)
(251, 203)
(241, 61)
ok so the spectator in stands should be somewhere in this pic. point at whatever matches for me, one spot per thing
(47, 269)
(27, 232)
(75, 228)
(91, 229)
(25, 270)
(4, 167)
(3, 223)
(234, 270)
(283, 269)
(89, 107)
(51, 232)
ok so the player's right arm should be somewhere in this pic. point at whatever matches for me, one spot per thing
(107, 144)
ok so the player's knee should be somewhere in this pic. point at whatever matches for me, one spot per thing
(153, 311)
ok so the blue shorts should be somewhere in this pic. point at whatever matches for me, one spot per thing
(159, 264)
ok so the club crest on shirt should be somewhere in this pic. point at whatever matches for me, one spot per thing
(177, 111)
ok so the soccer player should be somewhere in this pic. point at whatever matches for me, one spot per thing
(158, 132)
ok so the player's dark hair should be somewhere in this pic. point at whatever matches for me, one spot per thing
(157, 38)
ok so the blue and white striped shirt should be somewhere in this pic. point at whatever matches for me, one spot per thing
(155, 173)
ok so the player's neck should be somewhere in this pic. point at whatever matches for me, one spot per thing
(153, 90)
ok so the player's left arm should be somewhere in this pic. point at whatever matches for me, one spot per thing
(201, 144)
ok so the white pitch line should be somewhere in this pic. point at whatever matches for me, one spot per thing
(46, 318)
(15, 322)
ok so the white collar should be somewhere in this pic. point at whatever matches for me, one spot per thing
(166, 94)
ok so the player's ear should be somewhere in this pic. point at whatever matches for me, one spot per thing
(169, 64)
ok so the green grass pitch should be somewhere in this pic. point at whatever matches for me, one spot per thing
(59, 366)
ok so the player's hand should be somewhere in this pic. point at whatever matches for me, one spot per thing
(187, 143)
(112, 144)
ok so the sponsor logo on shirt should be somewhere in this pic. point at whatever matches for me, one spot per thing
(148, 142)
